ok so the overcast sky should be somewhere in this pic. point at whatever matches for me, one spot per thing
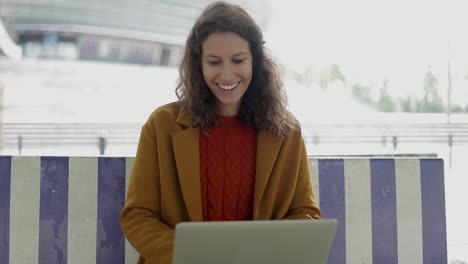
(371, 39)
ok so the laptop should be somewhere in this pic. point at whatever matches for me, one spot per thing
(259, 242)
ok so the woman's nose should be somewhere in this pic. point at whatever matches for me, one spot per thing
(226, 72)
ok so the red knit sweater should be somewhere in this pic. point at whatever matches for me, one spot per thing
(227, 170)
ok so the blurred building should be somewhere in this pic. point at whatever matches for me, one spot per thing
(142, 31)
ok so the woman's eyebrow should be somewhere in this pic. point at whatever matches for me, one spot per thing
(235, 55)
(240, 53)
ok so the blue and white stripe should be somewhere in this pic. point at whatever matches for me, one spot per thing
(358, 211)
(82, 210)
(53, 210)
(408, 184)
(63, 210)
(24, 210)
(433, 212)
(66, 209)
(5, 185)
(389, 210)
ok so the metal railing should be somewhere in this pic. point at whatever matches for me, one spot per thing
(450, 134)
(36, 136)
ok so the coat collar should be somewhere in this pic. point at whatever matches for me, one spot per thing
(186, 151)
(184, 119)
(268, 147)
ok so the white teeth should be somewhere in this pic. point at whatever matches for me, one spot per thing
(227, 87)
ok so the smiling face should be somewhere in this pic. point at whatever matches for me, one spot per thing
(227, 69)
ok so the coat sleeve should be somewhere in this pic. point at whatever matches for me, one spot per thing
(303, 205)
(140, 218)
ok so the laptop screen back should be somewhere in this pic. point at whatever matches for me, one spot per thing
(244, 242)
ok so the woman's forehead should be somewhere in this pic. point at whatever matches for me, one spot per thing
(225, 44)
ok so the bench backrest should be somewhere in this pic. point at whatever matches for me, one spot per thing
(66, 209)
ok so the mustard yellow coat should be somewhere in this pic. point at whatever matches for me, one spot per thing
(165, 184)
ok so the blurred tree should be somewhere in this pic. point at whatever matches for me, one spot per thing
(386, 102)
(336, 74)
(456, 109)
(362, 93)
(408, 104)
(331, 74)
(431, 102)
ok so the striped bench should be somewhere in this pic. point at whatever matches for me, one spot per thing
(66, 209)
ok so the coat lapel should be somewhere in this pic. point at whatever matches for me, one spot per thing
(186, 149)
(268, 147)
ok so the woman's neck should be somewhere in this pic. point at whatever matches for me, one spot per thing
(228, 110)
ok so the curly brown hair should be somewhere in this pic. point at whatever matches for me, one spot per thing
(263, 105)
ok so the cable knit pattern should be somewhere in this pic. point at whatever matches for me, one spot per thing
(227, 170)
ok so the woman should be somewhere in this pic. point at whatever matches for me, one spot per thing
(227, 150)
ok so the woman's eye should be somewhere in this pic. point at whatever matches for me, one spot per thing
(213, 62)
(238, 61)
